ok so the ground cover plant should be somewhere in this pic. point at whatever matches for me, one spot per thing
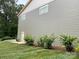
(67, 40)
(46, 41)
(29, 39)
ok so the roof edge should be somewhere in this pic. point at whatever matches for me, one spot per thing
(26, 5)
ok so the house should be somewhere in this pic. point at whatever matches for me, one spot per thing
(49, 16)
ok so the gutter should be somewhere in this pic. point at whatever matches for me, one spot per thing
(24, 7)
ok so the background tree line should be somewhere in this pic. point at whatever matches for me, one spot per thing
(8, 18)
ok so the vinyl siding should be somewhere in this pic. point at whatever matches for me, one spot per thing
(63, 17)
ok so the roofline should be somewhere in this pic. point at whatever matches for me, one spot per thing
(26, 5)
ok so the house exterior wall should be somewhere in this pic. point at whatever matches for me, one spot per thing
(62, 17)
(35, 4)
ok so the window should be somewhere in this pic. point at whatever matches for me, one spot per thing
(43, 9)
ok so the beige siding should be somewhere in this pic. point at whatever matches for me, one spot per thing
(63, 17)
(35, 4)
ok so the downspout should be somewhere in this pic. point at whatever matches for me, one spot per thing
(18, 40)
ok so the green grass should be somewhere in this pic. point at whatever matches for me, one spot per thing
(15, 51)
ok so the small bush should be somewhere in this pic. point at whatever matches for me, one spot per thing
(77, 49)
(5, 38)
(67, 40)
(46, 41)
(29, 39)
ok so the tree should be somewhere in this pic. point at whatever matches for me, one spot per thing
(19, 7)
(8, 17)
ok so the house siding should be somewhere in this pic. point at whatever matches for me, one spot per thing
(63, 17)
(35, 4)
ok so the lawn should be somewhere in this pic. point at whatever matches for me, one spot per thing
(15, 51)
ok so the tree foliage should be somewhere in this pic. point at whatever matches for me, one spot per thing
(8, 18)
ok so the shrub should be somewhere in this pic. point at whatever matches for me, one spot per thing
(67, 40)
(29, 39)
(5, 38)
(77, 47)
(46, 41)
(77, 50)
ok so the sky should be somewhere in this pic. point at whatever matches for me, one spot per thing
(21, 2)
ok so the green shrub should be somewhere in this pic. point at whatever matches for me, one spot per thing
(29, 39)
(77, 49)
(67, 40)
(46, 41)
(5, 38)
